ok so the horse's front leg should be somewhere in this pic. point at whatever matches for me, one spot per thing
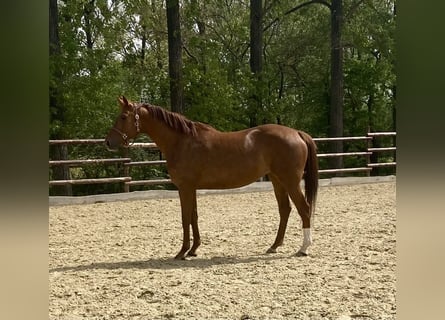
(188, 205)
(195, 229)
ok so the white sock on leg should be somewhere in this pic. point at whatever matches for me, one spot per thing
(307, 240)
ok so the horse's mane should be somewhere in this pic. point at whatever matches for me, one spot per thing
(174, 120)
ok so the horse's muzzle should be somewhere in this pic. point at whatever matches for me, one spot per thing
(111, 147)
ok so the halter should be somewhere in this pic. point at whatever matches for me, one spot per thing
(123, 135)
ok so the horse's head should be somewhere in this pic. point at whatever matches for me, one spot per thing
(126, 126)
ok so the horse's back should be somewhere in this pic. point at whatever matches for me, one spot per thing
(277, 137)
(232, 159)
(264, 141)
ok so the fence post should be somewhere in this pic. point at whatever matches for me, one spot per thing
(368, 156)
(60, 152)
(126, 172)
(394, 143)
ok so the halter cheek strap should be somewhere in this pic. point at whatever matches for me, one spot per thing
(123, 135)
(136, 120)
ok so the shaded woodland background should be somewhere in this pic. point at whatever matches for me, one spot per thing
(326, 67)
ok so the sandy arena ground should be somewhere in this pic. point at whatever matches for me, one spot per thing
(114, 260)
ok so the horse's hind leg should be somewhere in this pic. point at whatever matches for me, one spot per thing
(303, 208)
(284, 208)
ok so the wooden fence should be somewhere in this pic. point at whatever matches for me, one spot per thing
(368, 150)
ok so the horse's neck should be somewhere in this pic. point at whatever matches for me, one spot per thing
(161, 134)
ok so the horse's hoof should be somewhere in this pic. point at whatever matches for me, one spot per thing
(192, 254)
(301, 254)
(271, 250)
(180, 256)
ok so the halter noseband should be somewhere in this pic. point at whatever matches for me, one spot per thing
(123, 135)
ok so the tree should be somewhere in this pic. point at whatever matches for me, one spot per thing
(57, 108)
(336, 72)
(175, 56)
(256, 57)
(216, 74)
(370, 85)
(336, 96)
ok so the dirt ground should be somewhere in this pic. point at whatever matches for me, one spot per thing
(114, 260)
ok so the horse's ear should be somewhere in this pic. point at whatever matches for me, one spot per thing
(123, 102)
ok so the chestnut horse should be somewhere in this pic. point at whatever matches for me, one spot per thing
(201, 157)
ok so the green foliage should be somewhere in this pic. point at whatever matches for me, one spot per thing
(370, 68)
(298, 61)
(211, 99)
(293, 87)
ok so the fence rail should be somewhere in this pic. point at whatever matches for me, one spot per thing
(89, 181)
(369, 151)
(79, 163)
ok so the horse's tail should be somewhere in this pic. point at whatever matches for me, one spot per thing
(310, 171)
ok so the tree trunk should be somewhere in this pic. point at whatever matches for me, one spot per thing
(87, 15)
(144, 44)
(256, 57)
(57, 111)
(336, 107)
(175, 56)
(197, 9)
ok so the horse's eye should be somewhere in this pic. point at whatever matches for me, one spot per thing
(123, 116)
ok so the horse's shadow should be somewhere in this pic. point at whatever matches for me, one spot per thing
(170, 263)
